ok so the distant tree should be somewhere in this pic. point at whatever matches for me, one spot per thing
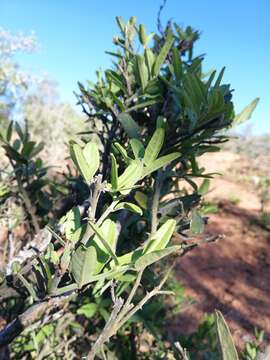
(24, 95)
(50, 120)
(13, 80)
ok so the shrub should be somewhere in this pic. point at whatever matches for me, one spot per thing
(151, 116)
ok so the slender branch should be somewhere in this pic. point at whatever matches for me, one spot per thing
(147, 297)
(107, 331)
(182, 352)
(127, 304)
(98, 188)
(31, 315)
(107, 212)
(155, 203)
(122, 312)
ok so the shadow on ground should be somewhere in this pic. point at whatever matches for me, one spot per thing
(232, 275)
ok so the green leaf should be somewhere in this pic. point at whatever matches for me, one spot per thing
(88, 310)
(227, 348)
(85, 163)
(162, 236)
(13, 154)
(163, 53)
(152, 257)
(203, 189)
(153, 148)
(129, 206)
(161, 122)
(142, 35)
(149, 60)
(211, 78)
(121, 23)
(37, 149)
(114, 173)
(9, 131)
(83, 264)
(160, 162)
(131, 175)
(20, 131)
(130, 126)
(72, 223)
(177, 64)
(246, 114)
(108, 246)
(66, 257)
(197, 223)
(219, 79)
(141, 199)
(91, 155)
(144, 104)
(122, 151)
(143, 71)
(64, 289)
(28, 148)
(128, 258)
(137, 148)
(28, 286)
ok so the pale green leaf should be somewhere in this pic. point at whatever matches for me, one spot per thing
(162, 236)
(246, 114)
(141, 199)
(87, 170)
(129, 206)
(83, 264)
(137, 148)
(163, 53)
(152, 257)
(142, 35)
(219, 78)
(154, 146)
(88, 310)
(91, 155)
(177, 64)
(142, 71)
(204, 187)
(160, 162)
(107, 235)
(197, 223)
(131, 175)
(114, 173)
(130, 126)
(227, 348)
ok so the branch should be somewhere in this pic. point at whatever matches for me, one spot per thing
(122, 312)
(31, 315)
(107, 331)
(155, 203)
(182, 352)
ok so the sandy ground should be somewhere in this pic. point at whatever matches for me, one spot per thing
(232, 275)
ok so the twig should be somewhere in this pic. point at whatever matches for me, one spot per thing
(127, 304)
(98, 188)
(182, 352)
(31, 315)
(155, 203)
(159, 25)
(107, 331)
(148, 296)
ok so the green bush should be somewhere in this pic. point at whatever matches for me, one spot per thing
(85, 285)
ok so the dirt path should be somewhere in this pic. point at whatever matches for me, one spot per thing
(232, 275)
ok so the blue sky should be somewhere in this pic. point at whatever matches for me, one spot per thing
(75, 33)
